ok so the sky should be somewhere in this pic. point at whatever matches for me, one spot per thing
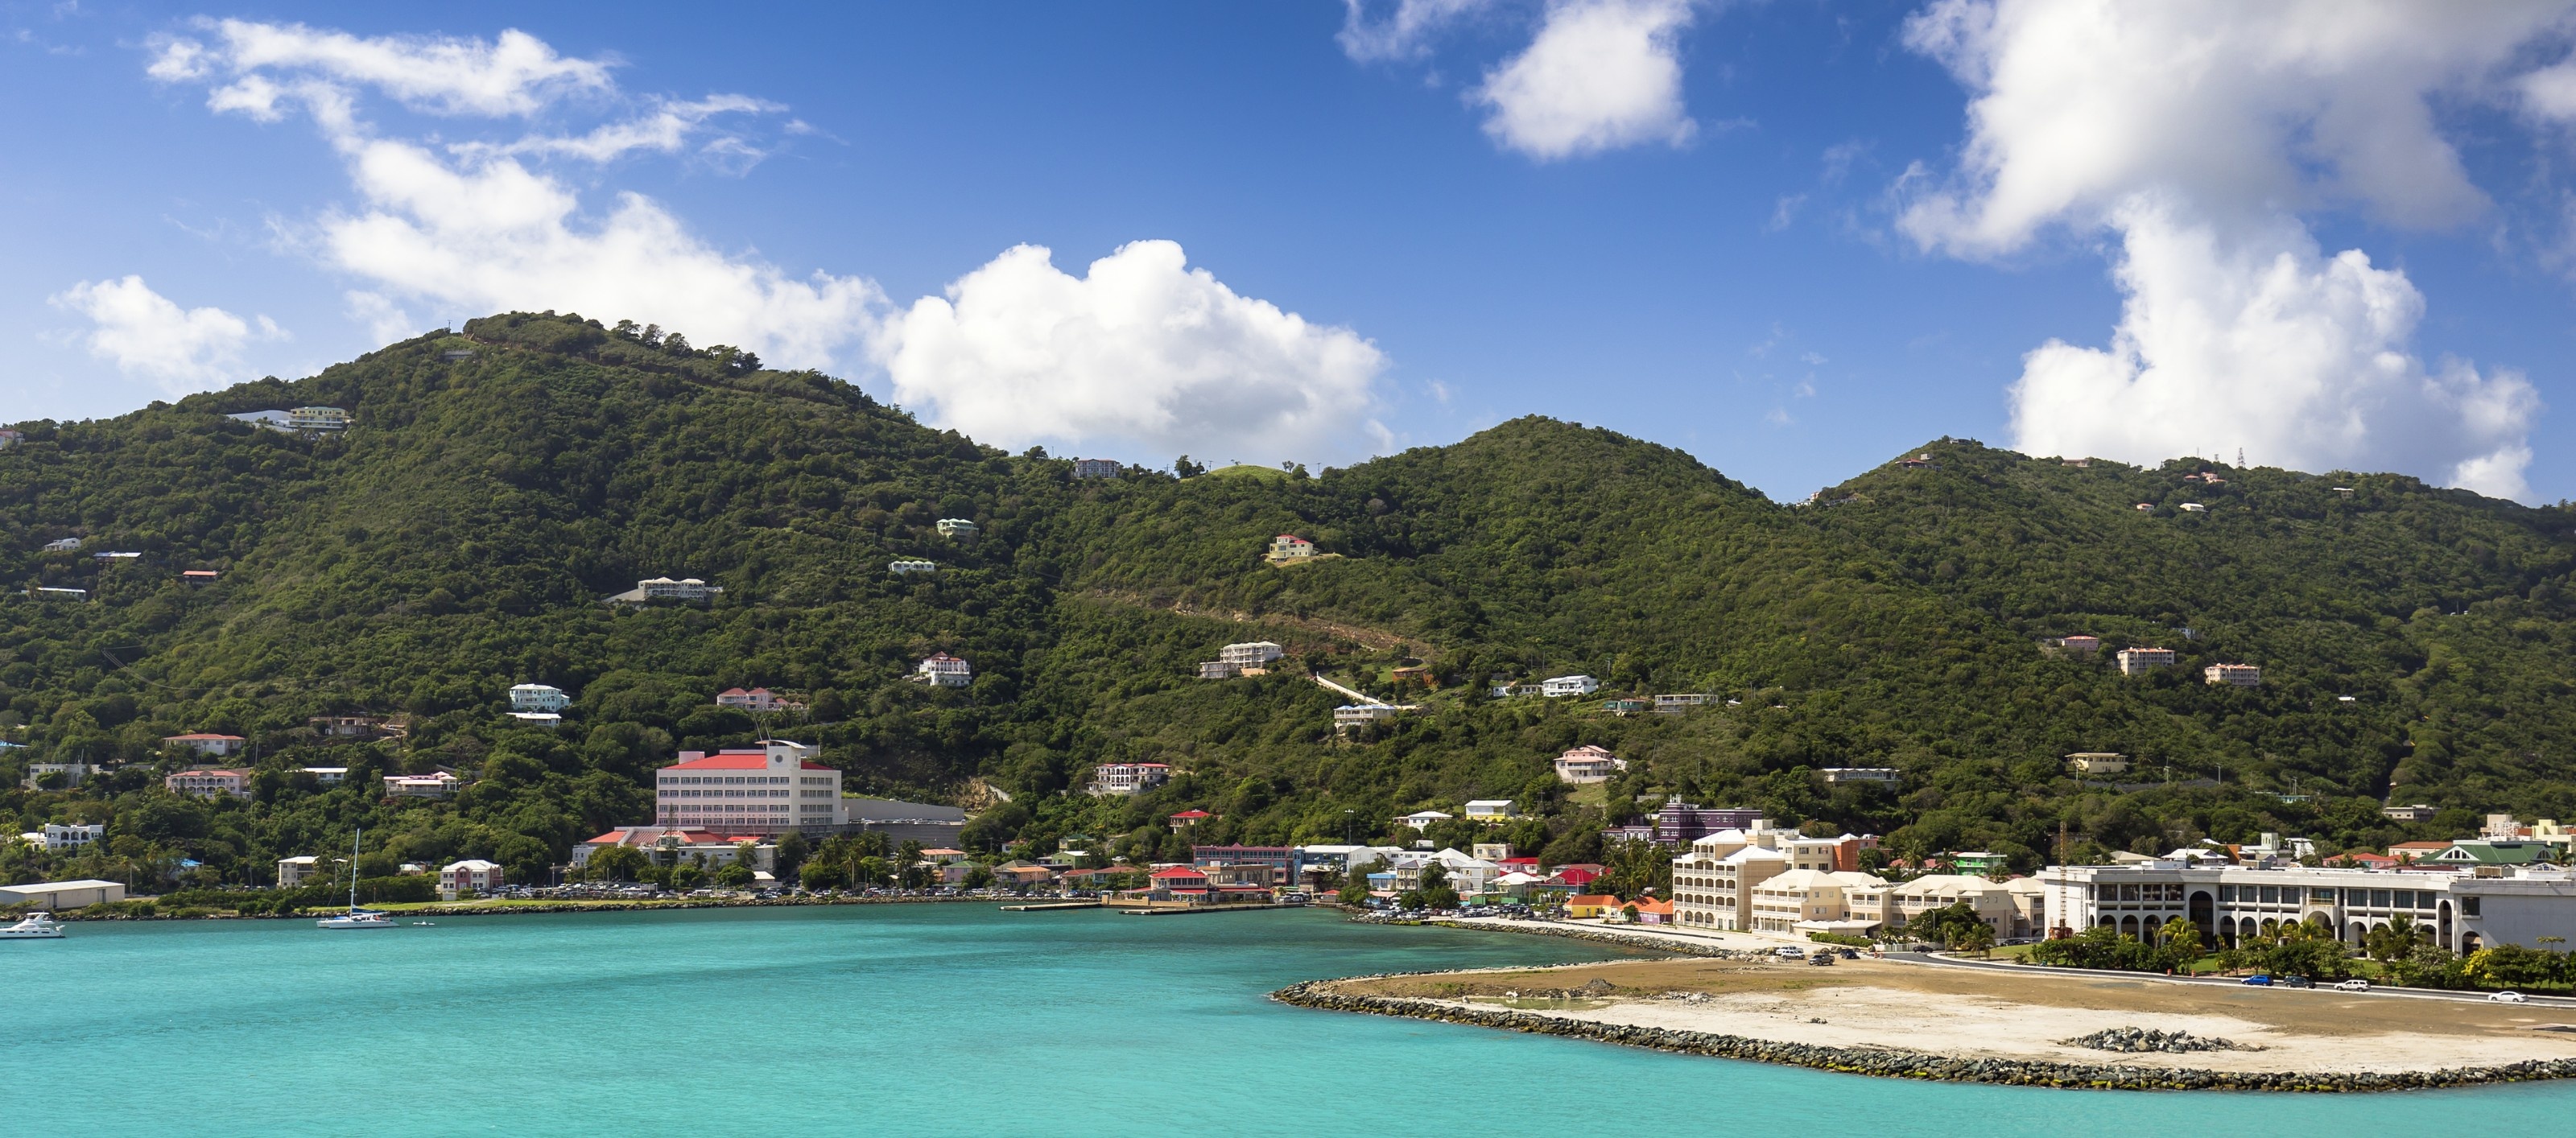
(1792, 238)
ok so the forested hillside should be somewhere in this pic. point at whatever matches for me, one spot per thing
(461, 535)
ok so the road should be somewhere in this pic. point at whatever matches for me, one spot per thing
(2226, 981)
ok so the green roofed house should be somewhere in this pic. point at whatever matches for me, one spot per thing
(2477, 852)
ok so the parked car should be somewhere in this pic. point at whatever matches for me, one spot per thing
(1790, 952)
(2353, 986)
(1849, 953)
(2258, 980)
(1821, 958)
(2508, 998)
(2297, 982)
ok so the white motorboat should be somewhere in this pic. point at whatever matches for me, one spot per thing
(357, 918)
(37, 926)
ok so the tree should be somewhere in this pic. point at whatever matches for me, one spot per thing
(2180, 947)
(734, 875)
(791, 854)
(1184, 468)
(614, 863)
(1976, 936)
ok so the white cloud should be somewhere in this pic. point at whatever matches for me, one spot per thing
(1601, 74)
(1400, 30)
(667, 130)
(2198, 131)
(1143, 349)
(144, 334)
(516, 74)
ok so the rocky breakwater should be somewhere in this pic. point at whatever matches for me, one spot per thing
(1899, 1064)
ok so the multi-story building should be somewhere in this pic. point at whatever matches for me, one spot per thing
(768, 788)
(474, 875)
(1253, 654)
(435, 784)
(207, 743)
(71, 775)
(317, 419)
(2097, 762)
(671, 845)
(2078, 646)
(1679, 823)
(327, 776)
(1492, 810)
(539, 698)
(2418, 812)
(294, 871)
(1218, 670)
(1682, 701)
(961, 529)
(903, 565)
(1588, 764)
(2140, 661)
(1713, 884)
(684, 589)
(1799, 901)
(1879, 776)
(2238, 675)
(1351, 716)
(209, 782)
(2459, 910)
(2010, 908)
(1249, 865)
(57, 837)
(1095, 468)
(1128, 778)
(942, 670)
(1559, 686)
(63, 545)
(1289, 547)
(757, 699)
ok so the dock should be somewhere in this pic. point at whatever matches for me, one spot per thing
(1050, 906)
(1177, 910)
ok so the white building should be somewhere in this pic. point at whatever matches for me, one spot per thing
(435, 784)
(945, 671)
(769, 788)
(1128, 778)
(2140, 661)
(294, 871)
(2097, 762)
(684, 589)
(1568, 685)
(1713, 883)
(962, 529)
(474, 875)
(1218, 670)
(73, 774)
(1251, 655)
(208, 782)
(63, 896)
(1682, 701)
(207, 743)
(1881, 776)
(1490, 810)
(1095, 468)
(2461, 911)
(905, 565)
(538, 698)
(2236, 675)
(1289, 547)
(671, 845)
(2193, 508)
(1588, 764)
(317, 419)
(1421, 818)
(757, 699)
(56, 837)
(63, 545)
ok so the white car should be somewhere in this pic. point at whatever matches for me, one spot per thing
(1791, 952)
(2508, 998)
(2353, 986)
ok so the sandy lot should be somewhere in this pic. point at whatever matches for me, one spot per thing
(2014, 1015)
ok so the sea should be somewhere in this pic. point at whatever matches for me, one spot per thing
(949, 1019)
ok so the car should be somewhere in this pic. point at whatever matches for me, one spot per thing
(1789, 952)
(1849, 953)
(1821, 958)
(2258, 979)
(2298, 982)
(2508, 998)
(2353, 986)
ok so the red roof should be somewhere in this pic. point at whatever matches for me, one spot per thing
(1177, 872)
(1578, 874)
(1592, 899)
(1194, 814)
(735, 761)
(734, 691)
(201, 735)
(1650, 905)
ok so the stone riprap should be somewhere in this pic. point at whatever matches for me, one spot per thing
(2143, 1039)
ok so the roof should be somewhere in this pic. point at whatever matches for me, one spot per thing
(1649, 905)
(470, 865)
(1194, 814)
(54, 886)
(201, 736)
(1175, 871)
(736, 761)
(1592, 899)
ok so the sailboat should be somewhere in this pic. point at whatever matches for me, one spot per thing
(357, 918)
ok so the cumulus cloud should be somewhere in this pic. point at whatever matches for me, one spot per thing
(1600, 75)
(2198, 131)
(1142, 348)
(477, 227)
(145, 334)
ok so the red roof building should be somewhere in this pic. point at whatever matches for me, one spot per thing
(1188, 818)
(768, 789)
(1577, 875)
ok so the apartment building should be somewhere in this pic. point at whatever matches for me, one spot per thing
(209, 783)
(2140, 661)
(767, 788)
(1128, 778)
(2236, 675)
(2460, 910)
(942, 670)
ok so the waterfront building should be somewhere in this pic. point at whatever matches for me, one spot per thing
(768, 788)
(63, 896)
(2461, 910)
(294, 871)
(459, 878)
(1249, 865)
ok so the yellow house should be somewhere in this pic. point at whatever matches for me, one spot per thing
(1585, 906)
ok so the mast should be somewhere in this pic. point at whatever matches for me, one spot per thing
(353, 869)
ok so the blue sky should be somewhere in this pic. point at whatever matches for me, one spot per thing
(1791, 238)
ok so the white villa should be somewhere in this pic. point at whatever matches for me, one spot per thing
(1128, 778)
(911, 565)
(944, 671)
(1490, 810)
(1250, 655)
(538, 698)
(1568, 685)
(960, 528)
(2140, 661)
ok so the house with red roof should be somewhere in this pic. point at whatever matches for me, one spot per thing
(767, 788)
(1583, 906)
(2362, 859)
(1178, 883)
(1188, 818)
(1648, 911)
(1289, 547)
(1578, 874)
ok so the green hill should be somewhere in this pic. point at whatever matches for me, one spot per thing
(461, 535)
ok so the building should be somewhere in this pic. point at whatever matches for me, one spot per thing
(1350, 716)
(1880, 776)
(1919, 462)
(1249, 865)
(1178, 883)
(1188, 818)
(2481, 851)
(197, 576)
(1095, 468)
(2238, 675)
(1800, 901)
(62, 896)
(2418, 812)
(435, 784)
(901, 566)
(461, 878)
(1492, 810)
(317, 419)
(1623, 707)
(1994, 903)
(1713, 883)
(2097, 762)
(542, 720)
(1679, 823)
(1422, 818)
(769, 788)
(1128, 778)
(57, 837)
(2140, 661)
(1588, 764)
(941, 670)
(1568, 685)
(538, 698)
(1218, 670)
(960, 529)
(63, 545)
(671, 845)
(1289, 547)
(10, 437)
(327, 776)
(209, 782)
(73, 774)
(757, 699)
(2462, 911)
(1253, 654)
(57, 592)
(294, 871)
(2079, 646)
(1682, 701)
(353, 726)
(205, 743)
(687, 589)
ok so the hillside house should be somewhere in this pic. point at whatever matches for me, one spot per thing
(207, 743)
(957, 529)
(941, 670)
(317, 419)
(757, 699)
(2343, 491)
(538, 698)
(2077, 646)
(1682, 701)
(2417, 812)
(1421, 818)
(467, 878)
(56, 837)
(55, 592)
(1919, 462)
(1877, 776)
(2145, 507)
(10, 438)
(2076, 463)
(2140, 661)
(2193, 508)
(1218, 670)
(1352, 716)
(73, 774)
(1559, 686)
(326, 776)
(197, 576)
(1188, 818)
(1588, 764)
(1251, 655)
(1623, 707)
(209, 782)
(1492, 811)
(63, 545)
(1128, 778)
(541, 720)
(2237, 675)
(2097, 762)
(435, 784)
(905, 565)
(1095, 468)
(354, 726)
(1289, 547)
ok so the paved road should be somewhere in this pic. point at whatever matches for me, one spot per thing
(2227, 982)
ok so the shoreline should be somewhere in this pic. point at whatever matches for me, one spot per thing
(1925, 1066)
(463, 909)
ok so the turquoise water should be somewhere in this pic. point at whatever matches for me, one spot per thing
(928, 1019)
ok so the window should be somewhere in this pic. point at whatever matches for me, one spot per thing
(2227, 893)
(2379, 898)
(2128, 892)
(2324, 895)
(2271, 894)
(2468, 906)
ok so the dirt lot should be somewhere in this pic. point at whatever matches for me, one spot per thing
(1956, 1011)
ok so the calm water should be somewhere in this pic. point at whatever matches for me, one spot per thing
(922, 1019)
